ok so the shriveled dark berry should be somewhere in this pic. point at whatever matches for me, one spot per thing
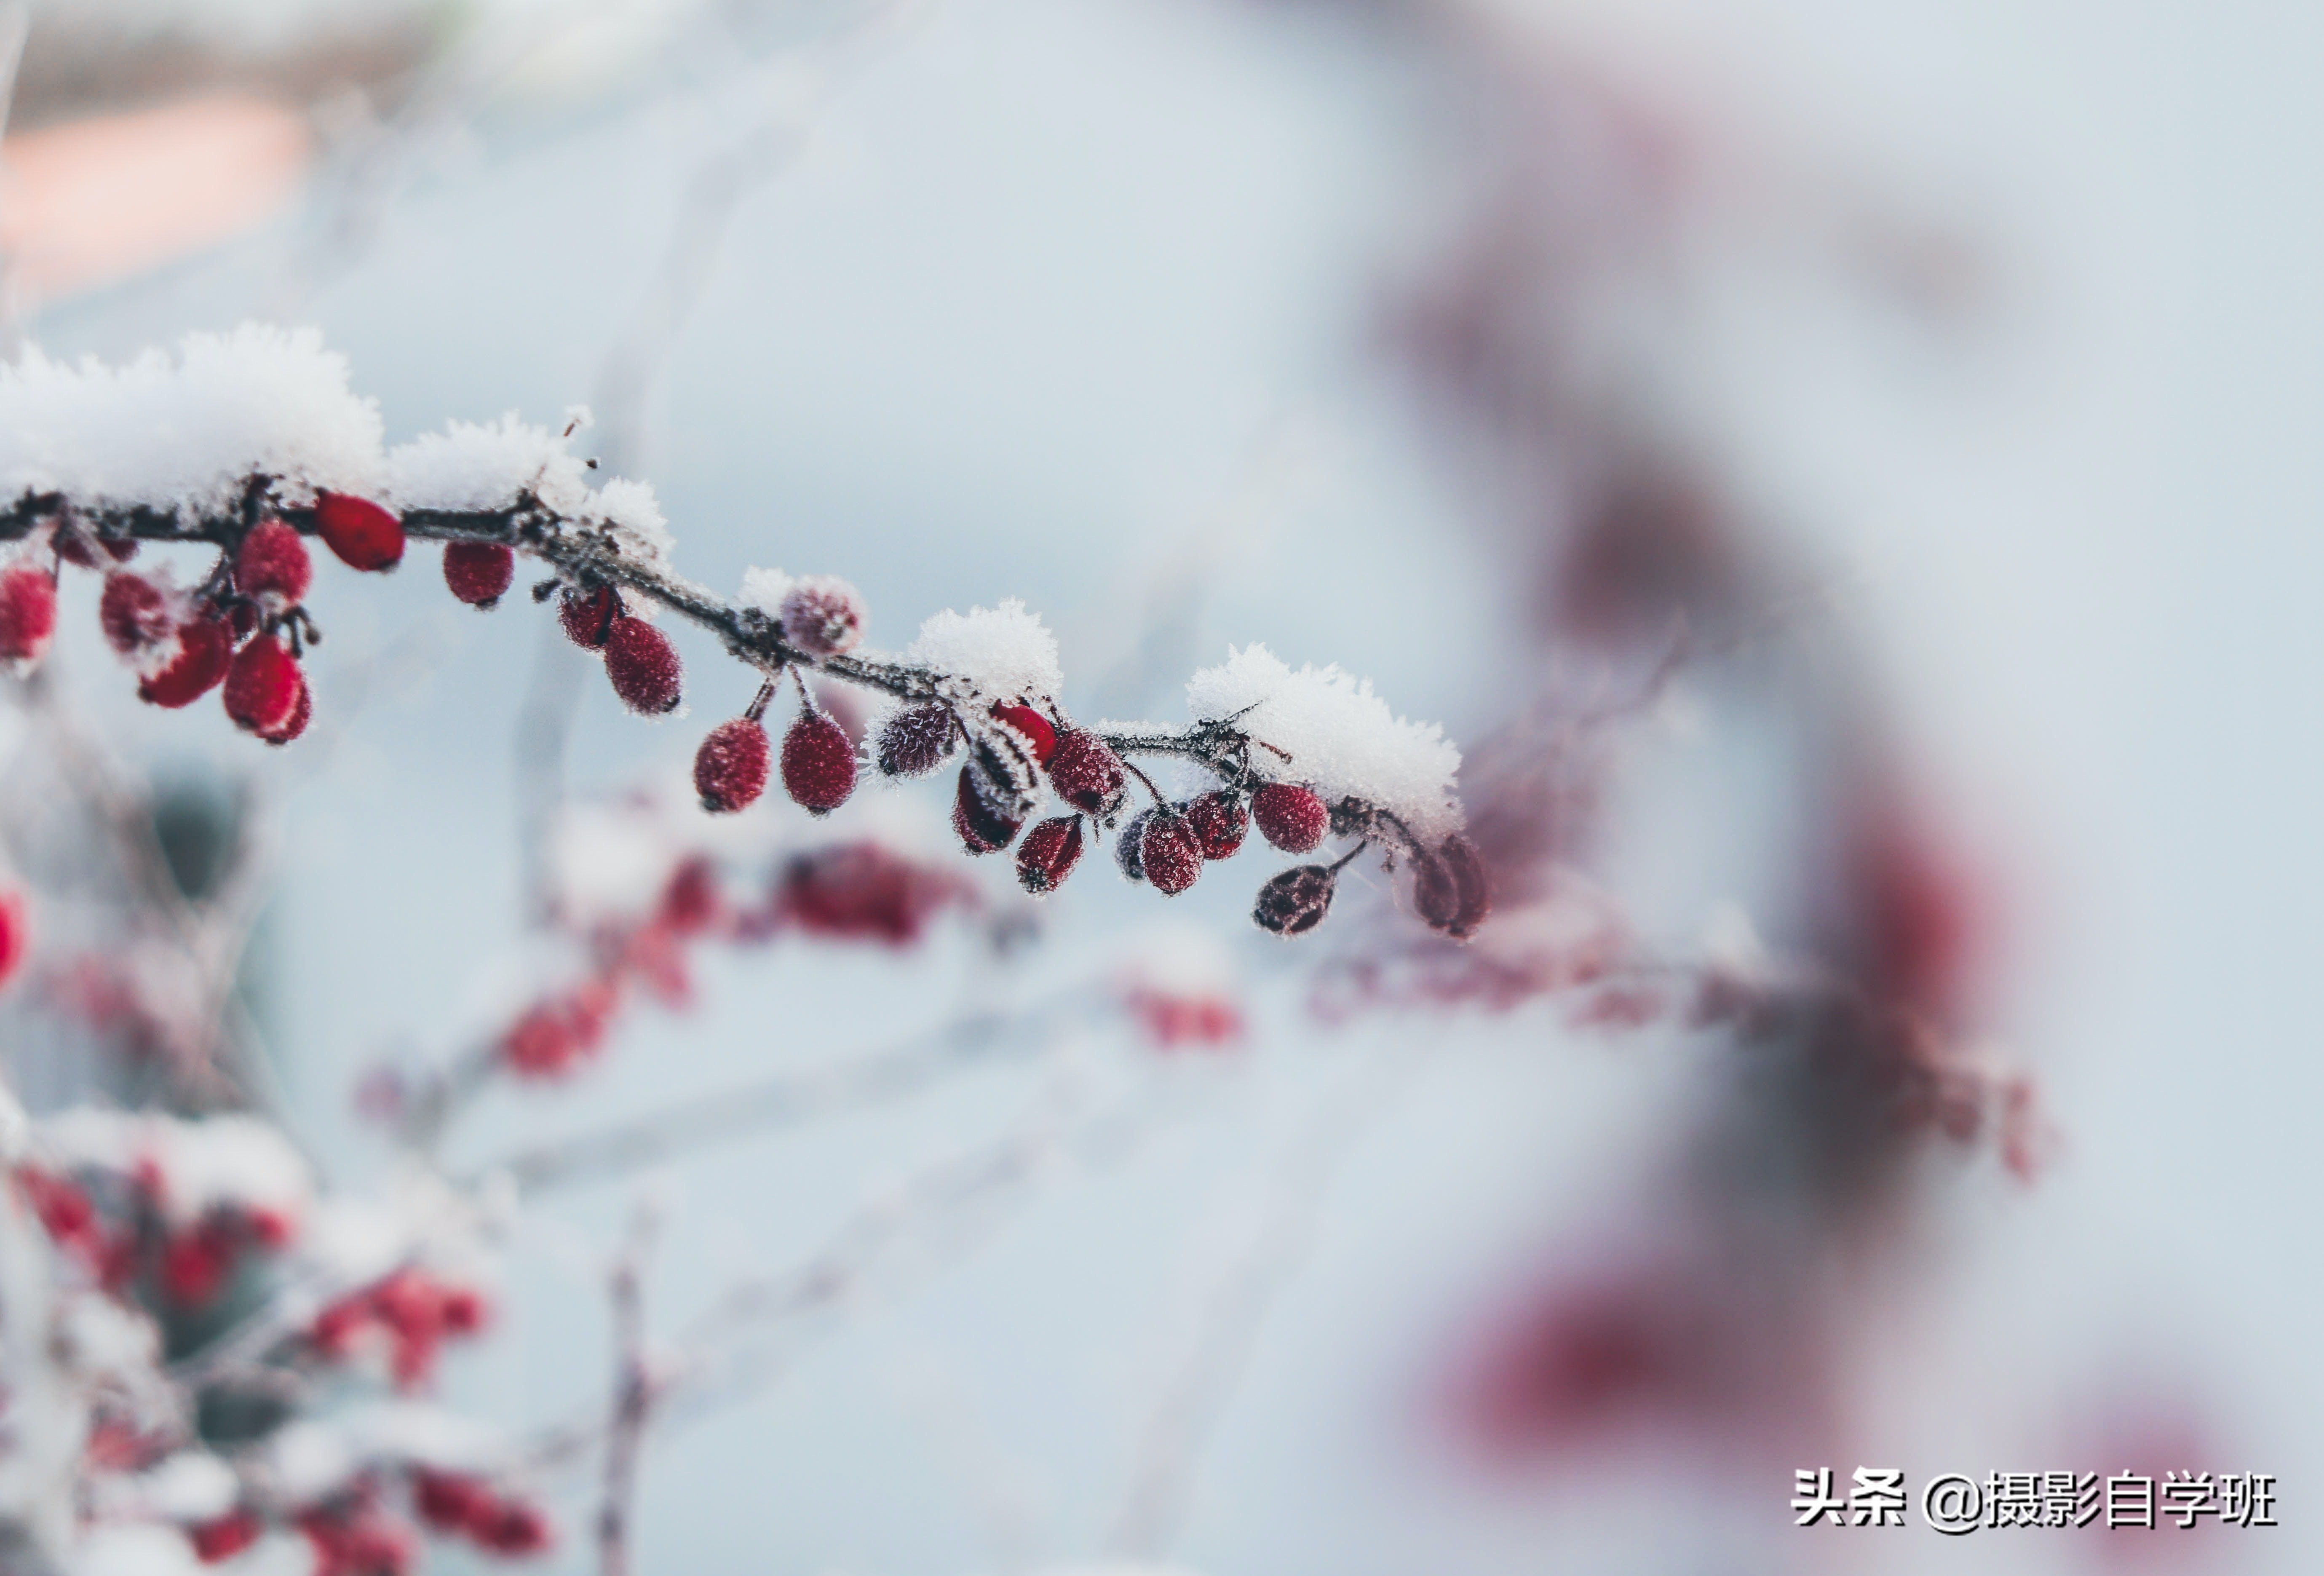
(983, 829)
(1293, 902)
(818, 762)
(1290, 816)
(1087, 774)
(643, 665)
(588, 615)
(205, 646)
(730, 770)
(822, 616)
(262, 686)
(364, 535)
(1220, 821)
(916, 740)
(1168, 853)
(1352, 817)
(1127, 852)
(1001, 763)
(479, 573)
(1038, 731)
(273, 562)
(1448, 887)
(1048, 854)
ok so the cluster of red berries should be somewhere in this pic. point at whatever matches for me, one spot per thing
(460, 1505)
(15, 933)
(187, 1264)
(410, 1313)
(353, 1533)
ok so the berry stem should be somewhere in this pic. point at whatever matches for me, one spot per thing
(757, 709)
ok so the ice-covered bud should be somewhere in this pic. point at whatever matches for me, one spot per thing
(302, 712)
(1038, 731)
(730, 770)
(479, 573)
(134, 613)
(1291, 818)
(1127, 852)
(916, 740)
(1048, 854)
(1087, 774)
(982, 828)
(643, 665)
(588, 615)
(262, 686)
(1294, 901)
(818, 762)
(1220, 821)
(822, 616)
(224, 1537)
(205, 648)
(16, 935)
(273, 562)
(1168, 853)
(364, 535)
(28, 613)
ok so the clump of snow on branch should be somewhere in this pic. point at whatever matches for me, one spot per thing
(181, 434)
(219, 1162)
(1342, 739)
(1001, 653)
(765, 589)
(472, 467)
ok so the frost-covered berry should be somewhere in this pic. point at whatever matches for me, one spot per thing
(1048, 854)
(1087, 774)
(588, 615)
(983, 829)
(134, 613)
(1220, 821)
(730, 770)
(364, 535)
(916, 740)
(225, 1536)
(15, 933)
(1168, 853)
(1294, 901)
(205, 646)
(1038, 731)
(28, 613)
(1127, 852)
(1448, 888)
(479, 573)
(1291, 818)
(822, 616)
(643, 665)
(262, 685)
(273, 562)
(302, 712)
(818, 762)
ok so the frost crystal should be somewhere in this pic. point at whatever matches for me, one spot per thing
(1341, 736)
(993, 653)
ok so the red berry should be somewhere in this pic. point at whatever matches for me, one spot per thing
(730, 770)
(1087, 774)
(28, 613)
(205, 646)
(983, 829)
(1291, 818)
(73, 545)
(301, 714)
(863, 892)
(1168, 853)
(1048, 854)
(225, 1536)
(447, 1501)
(273, 562)
(1220, 821)
(134, 614)
(915, 741)
(1038, 730)
(588, 615)
(509, 1528)
(363, 534)
(643, 665)
(263, 686)
(818, 762)
(478, 572)
(15, 933)
(1126, 850)
(1294, 901)
(822, 616)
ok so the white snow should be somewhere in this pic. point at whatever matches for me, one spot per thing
(991, 653)
(472, 466)
(136, 1550)
(765, 589)
(1341, 738)
(201, 1164)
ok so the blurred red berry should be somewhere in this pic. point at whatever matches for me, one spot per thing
(1168, 853)
(588, 615)
(1291, 818)
(822, 616)
(204, 652)
(134, 614)
(643, 665)
(15, 933)
(818, 762)
(447, 1501)
(1038, 731)
(479, 573)
(1220, 821)
(28, 613)
(730, 770)
(262, 686)
(863, 891)
(195, 1263)
(225, 1536)
(364, 535)
(1048, 854)
(509, 1528)
(273, 562)
(1087, 774)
